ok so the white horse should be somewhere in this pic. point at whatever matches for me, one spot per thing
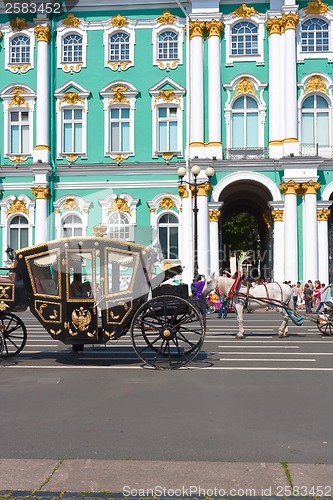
(276, 294)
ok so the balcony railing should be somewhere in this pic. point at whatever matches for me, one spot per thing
(316, 150)
(245, 153)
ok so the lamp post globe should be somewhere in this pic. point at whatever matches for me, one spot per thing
(209, 172)
(195, 170)
(181, 172)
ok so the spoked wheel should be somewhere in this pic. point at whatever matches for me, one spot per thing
(1, 344)
(167, 332)
(325, 324)
(14, 334)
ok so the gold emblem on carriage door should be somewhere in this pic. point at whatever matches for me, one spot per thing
(81, 319)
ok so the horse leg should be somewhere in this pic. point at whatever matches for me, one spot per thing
(239, 312)
(283, 330)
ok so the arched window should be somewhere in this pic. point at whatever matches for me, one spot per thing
(315, 121)
(244, 39)
(245, 123)
(119, 47)
(167, 124)
(119, 226)
(72, 48)
(71, 225)
(168, 236)
(168, 45)
(314, 35)
(18, 232)
(20, 50)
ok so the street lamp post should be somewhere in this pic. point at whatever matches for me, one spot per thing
(195, 171)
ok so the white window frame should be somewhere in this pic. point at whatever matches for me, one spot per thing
(18, 98)
(229, 22)
(177, 28)
(256, 34)
(175, 100)
(245, 112)
(128, 226)
(118, 94)
(9, 35)
(120, 65)
(62, 32)
(174, 214)
(131, 203)
(258, 97)
(72, 225)
(62, 104)
(61, 211)
(302, 56)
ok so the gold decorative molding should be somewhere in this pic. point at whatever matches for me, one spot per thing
(17, 23)
(214, 215)
(115, 65)
(316, 7)
(71, 98)
(214, 28)
(167, 203)
(182, 190)
(277, 215)
(41, 193)
(0, 34)
(316, 83)
(17, 99)
(275, 143)
(72, 67)
(119, 205)
(167, 96)
(70, 204)
(71, 157)
(71, 20)
(203, 189)
(15, 68)
(323, 214)
(290, 140)
(43, 33)
(245, 11)
(267, 220)
(274, 26)
(168, 65)
(167, 155)
(166, 18)
(289, 21)
(42, 147)
(196, 144)
(245, 86)
(119, 157)
(3, 306)
(152, 210)
(310, 187)
(18, 158)
(119, 21)
(290, 187)
(17, 206)
(118, 94)
(100, 230)
(197, 28)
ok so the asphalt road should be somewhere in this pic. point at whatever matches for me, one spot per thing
(262, 399)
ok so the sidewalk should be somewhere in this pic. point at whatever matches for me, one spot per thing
(102, 479)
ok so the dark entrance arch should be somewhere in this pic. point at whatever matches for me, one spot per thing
(246, 213)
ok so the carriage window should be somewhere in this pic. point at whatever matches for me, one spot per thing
(44, 270)
(120, 270)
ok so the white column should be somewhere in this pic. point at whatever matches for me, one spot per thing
(214, 28)
(41, 214)
(186, 254)
(42, 149)
(278, 245)
(310, 231)
(322, 216)
(196, 81)
(203, 229)
(275, 88)
(291, 144)
(290, 230)
(214, 216)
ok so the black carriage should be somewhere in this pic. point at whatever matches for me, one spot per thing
(90, 290)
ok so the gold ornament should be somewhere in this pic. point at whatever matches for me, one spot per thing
(274, 26)
(214, 27)
(17, 206)
(277, 215)
(323, 214)
(166, 18)
(17, 99)
(289, 21)
(70, 204)
(81, 319)
(197, 28)
(182, 190)
(71, 20)
(119, 205)
(214, 215)
(310, 187)
(166, 96)
(316, 7)
(119, 21)
(71, 98)
(43, 33)
(99, 230)
(167, 203)
(41, 193)
(316, 83)
(290, 187)
(245, 86)
(118, 94)
(203, 189)
(18, 24)
(72, 158)
(245, 11)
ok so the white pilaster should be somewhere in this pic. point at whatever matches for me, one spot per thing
(278, 240)
(42, 149)
(214, 216)
(41, 191)
(310, 231)
(203, 229)
(196, 81)
(186, 255)
(323, 262)
(290, 231)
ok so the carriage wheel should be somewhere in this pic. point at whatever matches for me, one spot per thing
(1, 344)
(14, 334)
(325, 324)
(167, 332)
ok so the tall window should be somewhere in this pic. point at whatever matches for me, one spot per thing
(315, 121)
(20, 50)
(167, 129)
(72, 48)
(314, 36)
(119, 129)
(168, 45)
(71, 226)
(72, 130)
(119, 47)
(19, 132)
(168, 236)
(245, 123)
(18, 232)
(244, 39)
(119, 226)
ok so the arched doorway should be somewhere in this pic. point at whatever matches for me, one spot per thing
(245, 228)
